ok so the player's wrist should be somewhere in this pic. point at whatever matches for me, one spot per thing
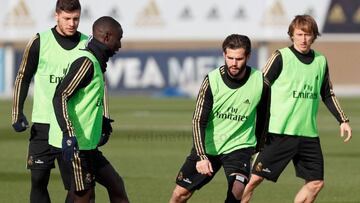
(202, 157)
(344, 121)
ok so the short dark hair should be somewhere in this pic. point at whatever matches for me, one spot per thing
(105, 23)
(236, 41)
(67, 5)
(305, 23)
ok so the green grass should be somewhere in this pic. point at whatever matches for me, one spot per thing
(151, 139)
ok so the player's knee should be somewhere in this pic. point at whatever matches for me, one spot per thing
(237, 184)
(37, 180)
(238, 189)
(117, 183)
(315, 186)
(118, 188)
(180, 194)
(255, 180)
(40, 178)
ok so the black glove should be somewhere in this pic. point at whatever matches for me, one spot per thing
(69, 147)
(21, 124)
(106, 131)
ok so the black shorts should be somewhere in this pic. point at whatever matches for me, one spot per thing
(40, 155)
(84, 169)
(305, 152)
(236, 162)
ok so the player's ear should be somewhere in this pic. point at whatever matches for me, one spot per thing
(107, 37)
(56, 15)
(248, 56)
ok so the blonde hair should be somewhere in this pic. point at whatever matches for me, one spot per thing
(305, 23)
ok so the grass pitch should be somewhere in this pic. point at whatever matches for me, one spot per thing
(152, 137)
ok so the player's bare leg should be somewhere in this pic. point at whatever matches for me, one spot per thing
(309, 191)
(180, 195)
(255, 180)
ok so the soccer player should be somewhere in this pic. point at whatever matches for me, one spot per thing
(46, 60)
(78, 106)
(299, 77)
(230, 118)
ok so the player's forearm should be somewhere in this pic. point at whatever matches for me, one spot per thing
(330, 100)
(334, 107)
(19, 96)
(60, 110)
(61, 97)
(200, 118)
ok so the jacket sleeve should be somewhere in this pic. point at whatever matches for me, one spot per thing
(203, 108)
(273, 67)
(330, 100)
(263, 115)
(79, 76)
(25, 73)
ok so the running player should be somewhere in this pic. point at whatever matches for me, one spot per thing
(78, 106)
(230, 119)
(300, 78)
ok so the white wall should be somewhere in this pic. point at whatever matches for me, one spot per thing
(167, 19)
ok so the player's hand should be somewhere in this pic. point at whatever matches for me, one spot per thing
(204, 167)
(69, 147)
(106, 131)
(345, 131)
(21, 124)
